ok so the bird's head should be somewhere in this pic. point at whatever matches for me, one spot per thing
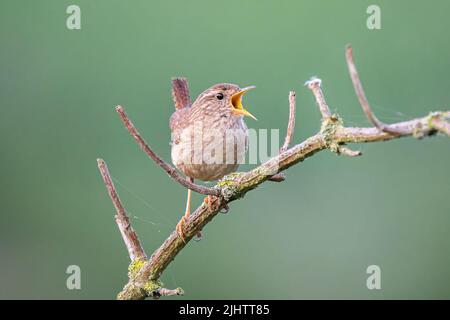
(224, 98)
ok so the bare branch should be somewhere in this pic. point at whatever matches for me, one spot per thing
(280, 177)
(360, 91)
(129, 236)
(235, 186)
(362, 96)
(171, 171)
(291, 123)
(348, 152)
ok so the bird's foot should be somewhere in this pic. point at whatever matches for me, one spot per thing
(181, 234)
(180, 230)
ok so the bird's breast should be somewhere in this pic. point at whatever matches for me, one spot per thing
(208, 150)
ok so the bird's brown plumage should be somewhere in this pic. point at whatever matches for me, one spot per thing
(180, 92)
(208, 139)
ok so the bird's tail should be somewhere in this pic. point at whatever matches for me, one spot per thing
(180, 92)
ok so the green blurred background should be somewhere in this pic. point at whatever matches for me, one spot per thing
(312, 236)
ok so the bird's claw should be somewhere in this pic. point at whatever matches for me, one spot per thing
(179, 229)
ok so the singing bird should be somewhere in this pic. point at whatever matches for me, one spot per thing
(209, 136)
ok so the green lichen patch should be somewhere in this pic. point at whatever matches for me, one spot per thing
(229, 179)
(134, 268)
(328, 130)
(228, 185)
(152, 286)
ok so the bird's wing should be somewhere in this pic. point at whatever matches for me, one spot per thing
(180, 92)
(178, 120)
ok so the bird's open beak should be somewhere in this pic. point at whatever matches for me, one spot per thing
(236, 103)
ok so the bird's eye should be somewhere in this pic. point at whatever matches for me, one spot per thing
(219, 96)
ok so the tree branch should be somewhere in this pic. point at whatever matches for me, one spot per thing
(144, 275)
(129, 236)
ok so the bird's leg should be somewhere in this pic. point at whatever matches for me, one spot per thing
(186, 216)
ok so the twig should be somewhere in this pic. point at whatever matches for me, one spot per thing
(362, 96)
(291, 123)
(314, 84)
(172, 172)
(348, 152)
(169, 292)
(280, 177)
(129, 236)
